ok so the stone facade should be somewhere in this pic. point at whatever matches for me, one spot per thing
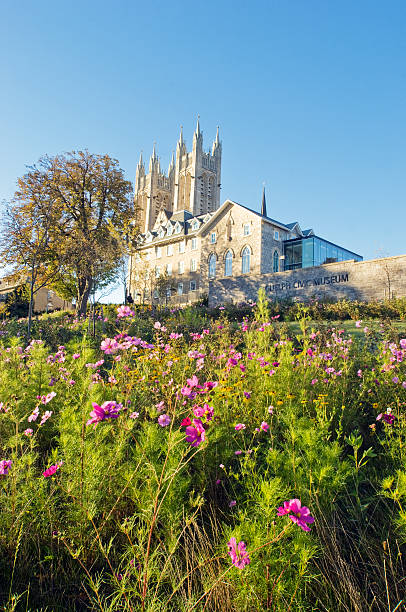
(192, 183)
(189, 246)
(190, 251)
(375, 279)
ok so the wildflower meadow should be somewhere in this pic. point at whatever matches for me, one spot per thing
(168, 460)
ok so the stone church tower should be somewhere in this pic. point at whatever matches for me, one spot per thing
(192, 182)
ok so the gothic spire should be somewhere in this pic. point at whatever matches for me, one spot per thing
(180, 142)
(198, 132)
(263, 207)
(141, 162)
(217, 141)
(153, 156)
(172, 164)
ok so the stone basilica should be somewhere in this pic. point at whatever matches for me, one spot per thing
(188, 242)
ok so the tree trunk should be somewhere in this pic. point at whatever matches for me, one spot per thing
(85, 286)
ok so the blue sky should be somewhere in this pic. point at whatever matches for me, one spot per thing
(310, 97)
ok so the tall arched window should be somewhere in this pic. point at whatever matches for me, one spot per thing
(212, 266)
(246, 256)
(275, 261)
(228, 267)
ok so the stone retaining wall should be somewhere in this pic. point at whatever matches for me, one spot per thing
(375, 279)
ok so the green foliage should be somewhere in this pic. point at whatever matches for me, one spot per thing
(136, 518)
(17, 302)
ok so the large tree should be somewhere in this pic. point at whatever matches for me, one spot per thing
(25, 239)
(91, 207)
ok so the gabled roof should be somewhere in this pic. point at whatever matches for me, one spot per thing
(231, 202)
(181, 215)
(308, 232)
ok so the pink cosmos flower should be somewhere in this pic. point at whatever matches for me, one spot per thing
(232, 503)
(34, 415)
(52, 469)
(5, 465)
(195, 434)
(264, 426)
(164, 420)
(124, 311)
(76, 356)
(45, 417)
(108, 410)
(239, 426)
(109, 346)
(160, 406)
(238, 553)
(402, 343)
(45, 399)
(134, 415)
(28, 432)
(358, 323)
(186, 422)
(297, 513)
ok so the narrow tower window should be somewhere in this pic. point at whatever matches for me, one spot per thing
(275, 261)
(212, 266)
(246, 257)
(228, 268)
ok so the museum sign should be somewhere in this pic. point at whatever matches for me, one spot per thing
(310, 282)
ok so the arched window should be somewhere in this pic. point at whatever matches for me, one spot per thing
(275, 261)
(246, 256)
(228, 266)
(212, 266)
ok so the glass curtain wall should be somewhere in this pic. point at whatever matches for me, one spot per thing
(314, 251)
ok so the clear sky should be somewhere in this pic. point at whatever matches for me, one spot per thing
(310, 97)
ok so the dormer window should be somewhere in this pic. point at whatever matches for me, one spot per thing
(169, 230)
(161, 232)
(195, 225)
(178, 228)
(148, 237)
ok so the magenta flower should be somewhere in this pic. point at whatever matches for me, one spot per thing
(28, 432)
(124, 311)
(52, 469)
(76, 356)
(195, 434)
(238, 553)
(387, 417)
(108, 410)
(164, 420)
(264, 426)
(297, 513)
(134, 415)
(239, 426)
(232, 503)
(5, 465)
